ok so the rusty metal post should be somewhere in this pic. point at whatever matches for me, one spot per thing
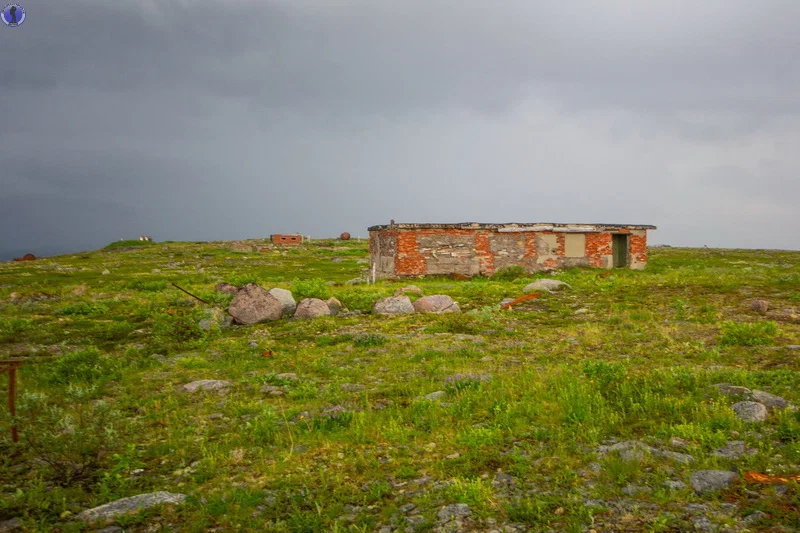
(12, 394)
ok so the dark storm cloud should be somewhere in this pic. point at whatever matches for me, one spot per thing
(209, 120)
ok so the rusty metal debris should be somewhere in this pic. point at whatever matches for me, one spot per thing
(11, 367)
(519, 300)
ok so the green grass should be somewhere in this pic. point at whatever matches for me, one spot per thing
(349, 443)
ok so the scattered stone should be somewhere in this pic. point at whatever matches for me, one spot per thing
(632, 490)
(155, 271)
(734, 449)
(548, 285)
(705, 481)
(455, 511)
(410, 289)
(771, 401)
(217, 316)
(393, 305)
(253, 305)
(334, 412)
(215, 416)
(750, 411)
(759, 306)
(80, 290)
(111, 529)
(288, 376)
(747, 520)
(207, 385)
(434, 395)
(288, 305)
(10, 525)
(505, 301)
(407, 508)
(464, 378)
(312, 308)
(226, 288)
(437, 303)
(731, 390)
(634, 450)
(352, 387)
(334, 306)
(678, 443)
(130, 505)
(106, 272)
(487, 359)
(581, 311)
(674, 484)
(336, 259)
(703, 523)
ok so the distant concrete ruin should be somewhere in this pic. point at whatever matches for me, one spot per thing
(145, 238)
(469, 249)
(280, 238)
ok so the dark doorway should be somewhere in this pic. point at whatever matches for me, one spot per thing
(619, 249)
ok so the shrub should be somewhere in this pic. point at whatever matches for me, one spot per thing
(82, 366)
(747, 333)
(180, 331)
(310, 288)
(12, 328)
(83, 309)
(510, 273)
(73, 441)
(366, 340)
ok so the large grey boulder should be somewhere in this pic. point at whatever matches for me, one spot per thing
(253, 305)
(549, 285)
(288, 305)
(705, 481)
(731, 390)
(130, 505)
(437, 303)
(393, 305)
(312, 308)
(750, 411)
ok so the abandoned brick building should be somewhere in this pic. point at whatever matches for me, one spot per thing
(279, 238)
(404, 250)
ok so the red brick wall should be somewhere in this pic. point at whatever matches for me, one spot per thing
(286, 239)
(409, 261)
(597, 245)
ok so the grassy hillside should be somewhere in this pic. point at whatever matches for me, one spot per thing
(324, 426)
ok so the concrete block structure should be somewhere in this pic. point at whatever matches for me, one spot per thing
(409, 250)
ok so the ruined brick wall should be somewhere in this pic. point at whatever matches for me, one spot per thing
(286, 239)
(418, 252)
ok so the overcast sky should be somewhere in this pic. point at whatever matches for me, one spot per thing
(200, 120)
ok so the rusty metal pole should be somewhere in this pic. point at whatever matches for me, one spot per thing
(12, 393)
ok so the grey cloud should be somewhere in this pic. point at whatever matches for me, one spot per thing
(206, 120)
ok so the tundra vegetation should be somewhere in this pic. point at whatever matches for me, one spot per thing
(588, 408)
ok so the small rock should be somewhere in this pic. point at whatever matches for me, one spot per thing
(410, 289)
(751, 518)
(10, 525)
(632, 490)
(674, 484)
(129, 505)
(352, 387)
(705, 481)
(505, 301)
(407, 508)
(78, 291)
(288, 376)
(106, 272)
(215, 416)
(334, 306)
(434, 395)
(771, 401)
(750, 411)
(110, 529)
(226, 288)
(703, 523)
(678, 443)
(732, 390)
(288, 305)
(312, 308)
(393, 305)
(487, 359)
(437, 303)
(734, 449)
(581, 311)
(548, 285)
(453, 512)
(206, 385)
(759, 306)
